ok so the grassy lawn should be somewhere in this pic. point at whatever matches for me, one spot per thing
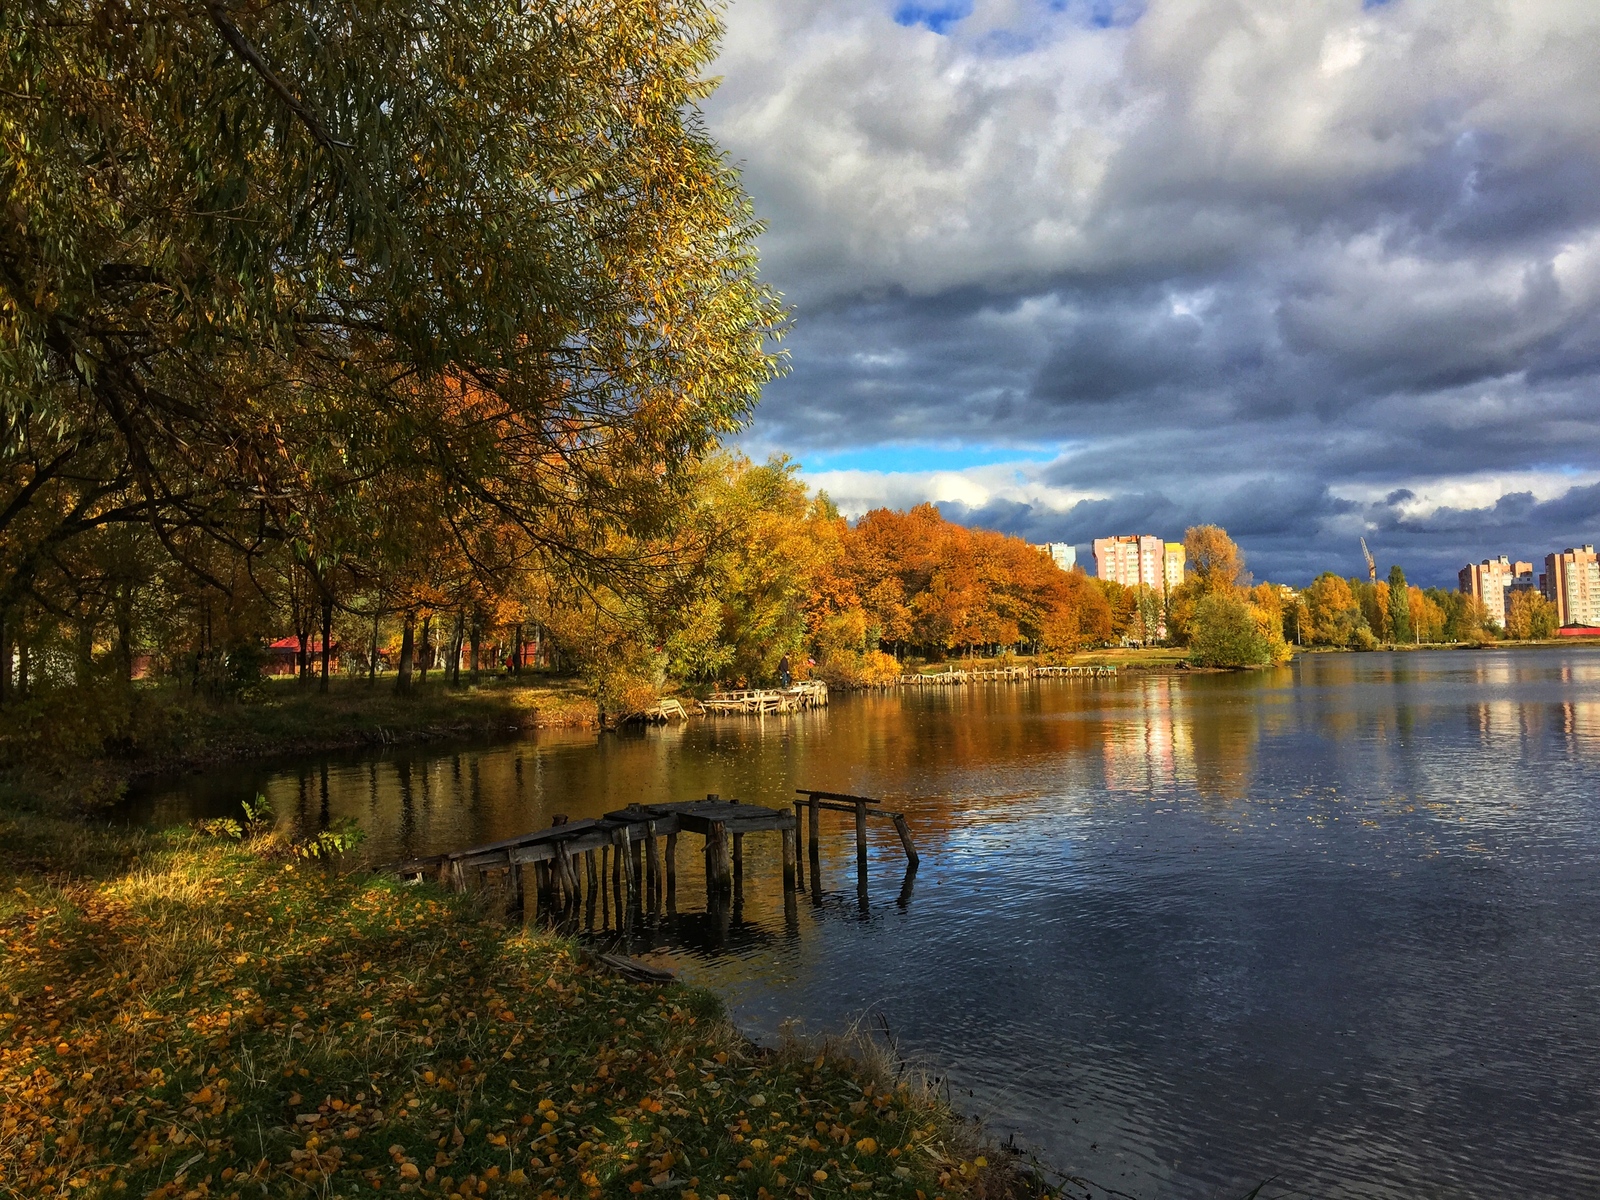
(184, 1018)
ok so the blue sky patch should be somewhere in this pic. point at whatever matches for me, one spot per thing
(899, 457)
(937, 17)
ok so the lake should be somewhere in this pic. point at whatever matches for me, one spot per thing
(1335, 925)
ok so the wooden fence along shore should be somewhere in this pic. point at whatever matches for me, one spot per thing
(631, 856)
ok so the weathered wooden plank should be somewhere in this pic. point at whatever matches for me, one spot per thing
(843, 797)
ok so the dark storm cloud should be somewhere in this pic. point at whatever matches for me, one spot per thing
(1309, 272)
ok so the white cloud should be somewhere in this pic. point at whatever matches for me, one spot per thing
(857, 491)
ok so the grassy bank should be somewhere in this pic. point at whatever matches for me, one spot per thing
(188, 1018)
(78, 752)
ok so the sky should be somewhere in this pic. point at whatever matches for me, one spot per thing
(1073, 268)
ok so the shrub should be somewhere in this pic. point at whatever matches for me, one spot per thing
(1226, 633)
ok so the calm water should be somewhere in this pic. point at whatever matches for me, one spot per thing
(1337, 925)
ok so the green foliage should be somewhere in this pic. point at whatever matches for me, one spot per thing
(1226, 632)
(329, 843)
(1399, 606)
(380, 298)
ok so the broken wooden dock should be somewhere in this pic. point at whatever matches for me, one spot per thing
(633, 853)
(808, 693)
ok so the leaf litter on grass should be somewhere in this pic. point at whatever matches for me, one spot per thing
(215, 1022)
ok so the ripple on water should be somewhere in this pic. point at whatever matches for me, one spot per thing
(1330, 925)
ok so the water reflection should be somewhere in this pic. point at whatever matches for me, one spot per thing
(1331, 924)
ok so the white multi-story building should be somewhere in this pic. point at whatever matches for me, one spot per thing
(1174, 561)
(1491, 581)
(1572, 584)
(1063, 554)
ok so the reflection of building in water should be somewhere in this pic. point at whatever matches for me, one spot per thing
(1141, 754)
(1580, 721)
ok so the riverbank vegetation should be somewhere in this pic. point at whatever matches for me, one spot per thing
(188, 1017)
(426, 374)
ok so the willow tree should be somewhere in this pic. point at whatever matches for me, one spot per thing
(265, 267)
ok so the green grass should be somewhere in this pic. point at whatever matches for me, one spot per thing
(182, 1018)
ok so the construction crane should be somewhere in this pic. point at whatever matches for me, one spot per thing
(1372, 567)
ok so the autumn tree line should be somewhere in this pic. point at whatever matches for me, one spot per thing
(413, 333)
(361, 319)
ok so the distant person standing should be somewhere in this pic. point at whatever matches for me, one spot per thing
(785, 675)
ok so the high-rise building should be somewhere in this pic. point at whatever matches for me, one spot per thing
(1063, 554)
(1173, 564)
(1491, 581)
(1572, 584)
(1132, 559)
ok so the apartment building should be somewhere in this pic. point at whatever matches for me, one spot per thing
(1572, 583)
(1132, 559)
(1173, 565)
(1492, 581)
(1063, 554)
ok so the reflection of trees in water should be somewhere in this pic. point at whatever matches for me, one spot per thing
(1222, 718)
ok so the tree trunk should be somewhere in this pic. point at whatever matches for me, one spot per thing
(402, 682)
(327, 638)
(516, 662)
(372, 659)
(477, 637)
(22, 665)
(124, 617)
(455, 653)
(425, 655)
(5, 660)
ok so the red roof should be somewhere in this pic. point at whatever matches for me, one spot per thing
(1579, 631)
(292, 644)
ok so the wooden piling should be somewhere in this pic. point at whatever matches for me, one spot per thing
(717, 872)
(592, 871)
(799, 818)
(738, 862)
(861, 835)
(672, 866)
(790, 862)
(652, 858)
(904, 831)
(816, 833)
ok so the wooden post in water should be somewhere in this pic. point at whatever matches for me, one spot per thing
(652, 850)
(789, 859)
(861, 837)
(625, 849)
(799, 818)
(717, 858)
(672, 867)
(593, 873)
(904, 831)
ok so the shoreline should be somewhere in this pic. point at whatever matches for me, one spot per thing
(217, 1026)
(176, 734)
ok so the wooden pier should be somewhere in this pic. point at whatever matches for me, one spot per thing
(633, 853)
(808, 693)
(958, 678)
